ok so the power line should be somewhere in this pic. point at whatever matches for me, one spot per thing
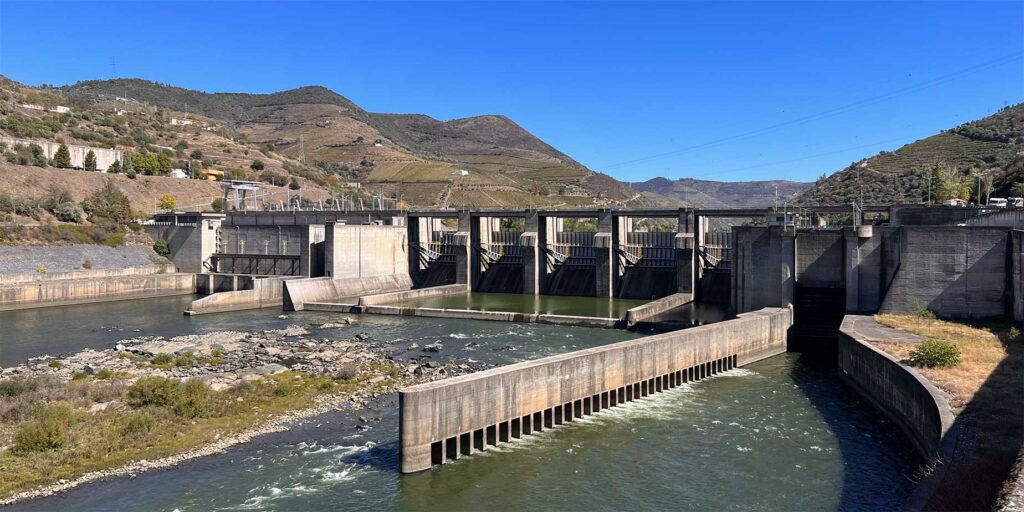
(800, 159)
(824, 114)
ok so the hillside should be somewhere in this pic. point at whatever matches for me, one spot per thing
(410, 156)
(992, 146)
(723, 194)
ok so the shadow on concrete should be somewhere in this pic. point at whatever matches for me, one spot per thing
(863, 441)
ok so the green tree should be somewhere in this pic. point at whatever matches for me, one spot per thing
(196, 155)
(109, 202)
(62, 158)
(168, 201)
(90, 161)
(1018, 189)
(257, 165)
(218, 204)
(950, 184)
(294, 184)
(115, 167)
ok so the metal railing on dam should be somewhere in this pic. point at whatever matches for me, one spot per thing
(446, 419)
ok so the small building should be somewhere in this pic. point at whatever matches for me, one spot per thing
(181, 122)
(61, 109)
(32, 107)
(179, 173)
(378, 145)
(461, 172)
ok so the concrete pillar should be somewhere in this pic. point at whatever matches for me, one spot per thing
(851, 267)
(684, 244)
(787, 277)
(463, 254)
(605, 242)
(533, 256)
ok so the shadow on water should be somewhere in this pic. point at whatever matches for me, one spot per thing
(862, 442)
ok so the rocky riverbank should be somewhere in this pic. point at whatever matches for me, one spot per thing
(228, 360)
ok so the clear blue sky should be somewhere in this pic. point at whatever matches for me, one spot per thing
(730, 91)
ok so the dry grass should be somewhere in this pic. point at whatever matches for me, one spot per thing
(982, 348)
(89, 448)
(986, 392)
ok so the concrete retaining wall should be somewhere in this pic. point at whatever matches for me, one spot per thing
(297, 292)
(656, 307)
(366, 251)
(954, 271)
(78, 291)
(36, 277)
(387, 298)
(265, 293)
(445, 419)
(900, 392)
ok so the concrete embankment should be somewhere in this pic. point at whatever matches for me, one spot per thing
(299, 292)
(494, 316)
(656, 307)
(445, 419)
(60, 292)
(901, 393)
(399, 296)
(266, 292)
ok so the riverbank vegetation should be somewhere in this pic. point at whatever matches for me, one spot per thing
(53, 429)
(985, 390)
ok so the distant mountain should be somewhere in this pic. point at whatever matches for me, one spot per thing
(723, 194)
(412, 155)
(993, 145)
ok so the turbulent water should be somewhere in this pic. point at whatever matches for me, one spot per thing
(776, 435)
(523, 303)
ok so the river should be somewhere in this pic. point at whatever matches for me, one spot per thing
(781, 434)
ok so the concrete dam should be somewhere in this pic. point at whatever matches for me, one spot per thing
(786, 281)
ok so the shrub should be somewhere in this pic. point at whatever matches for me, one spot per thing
(348, 371)
(87, 264)
(68, 212)
(114, 239)
(17, 385)
(161, 248)
(935, 354)
(162, 359)
(1014, 333)
(282, 389)
(189, 400)
(186, 359)
(921, 310)
(50, 429)
(155, 391)
(41, 269)
(55, 364)
(194, 401)
(139, 423)
(104, 374)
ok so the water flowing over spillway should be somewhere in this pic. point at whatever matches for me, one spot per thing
(780, 434)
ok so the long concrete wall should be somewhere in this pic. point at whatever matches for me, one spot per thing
(36, 277)
(399, 296)
(297, 292)
(78, 291)
(266, 292)
(899, 391)
(445, 419)
(656, 307)
(104, 156)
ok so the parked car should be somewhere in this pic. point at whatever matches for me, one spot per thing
(957, 202)
(996, 202)
(1015, 202)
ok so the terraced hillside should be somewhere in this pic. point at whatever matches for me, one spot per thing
(724, 194)
(991, 146)
(418, 159)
